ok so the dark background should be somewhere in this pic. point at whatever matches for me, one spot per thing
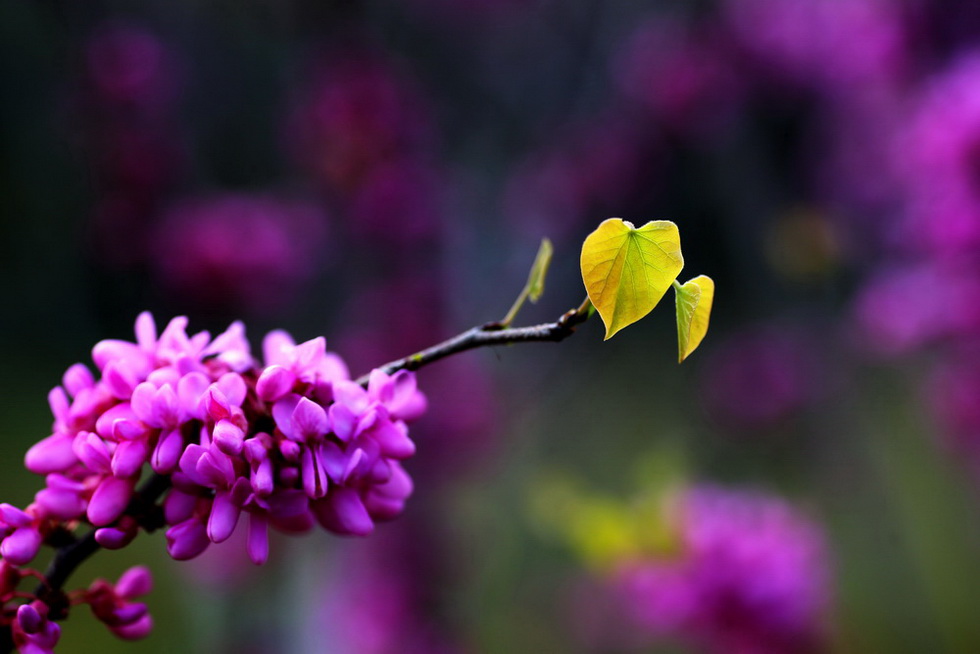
(381, 173)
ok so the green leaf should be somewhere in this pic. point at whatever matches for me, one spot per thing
(627, 270)
(535, 281)
(694, 300)
(603, 532)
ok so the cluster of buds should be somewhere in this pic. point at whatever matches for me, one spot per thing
(292, 443)
(32, 625)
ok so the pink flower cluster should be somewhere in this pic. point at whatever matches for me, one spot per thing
(33, 627)
(922, 295)
(251, 251)
(32, 631)
(358, 114)
(830, 46)
(759, 378)
(750, 575)
(290, 444)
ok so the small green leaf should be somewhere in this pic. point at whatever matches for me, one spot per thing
(694, 300)
(535, 281)
(627, 270)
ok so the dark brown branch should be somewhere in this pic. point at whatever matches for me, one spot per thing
(489, 334)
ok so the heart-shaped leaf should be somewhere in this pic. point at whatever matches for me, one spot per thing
(627, 270)
(694, 299)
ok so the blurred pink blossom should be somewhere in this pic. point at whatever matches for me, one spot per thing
(751, 575)
(952, 393)
(938, 157)
(233, 250)
(757, 378)
(831, 45)
(590, 169)
(358, 113)
(372, 604)
(686, 79)
(397, 206)
(131, 67)
(904, 308)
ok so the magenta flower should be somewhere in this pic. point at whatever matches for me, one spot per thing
(685, 80)
(20, 536)
(113, 605)
(131, 67)
(759, 378)
(936, 156)
(952, 396)
(749, 575)
(904, 308)
(834, 46)
(33, 632)
(238, 250)
(359, 113)
(290, 445)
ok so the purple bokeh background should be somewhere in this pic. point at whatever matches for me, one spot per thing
(381, 173)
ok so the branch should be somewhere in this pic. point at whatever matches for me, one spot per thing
(72, 554)
(490, 334)
(68, 557)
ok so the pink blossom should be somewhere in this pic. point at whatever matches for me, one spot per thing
(131, 66)
(358, 113)
(113, 605)
(238, 251)
(289, 444)
(833, 45)
(750, 574)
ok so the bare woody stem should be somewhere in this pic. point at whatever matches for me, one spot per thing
(493, 333)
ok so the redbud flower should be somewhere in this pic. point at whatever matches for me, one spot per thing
(114, 607)
(934, 156)
(20, 536)
(290, 445)
(32, 631)
(749, 575)
(238, 250)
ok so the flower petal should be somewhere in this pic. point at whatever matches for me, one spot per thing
(343, 512)
(109, 500)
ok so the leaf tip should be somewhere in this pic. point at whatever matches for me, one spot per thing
(539, 269)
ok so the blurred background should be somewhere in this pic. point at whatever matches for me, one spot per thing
(381, 173)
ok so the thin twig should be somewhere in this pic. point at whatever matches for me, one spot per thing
(493, 333)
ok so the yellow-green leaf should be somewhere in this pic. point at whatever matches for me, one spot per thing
(602, 532)
(694, 299)
(627, 270)
(535, 281)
